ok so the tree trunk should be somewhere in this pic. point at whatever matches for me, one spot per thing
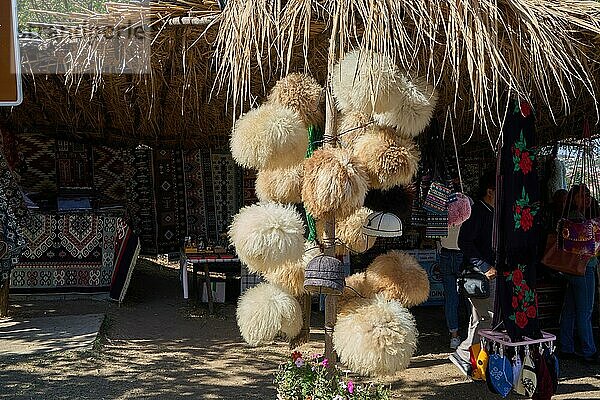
(4, 298)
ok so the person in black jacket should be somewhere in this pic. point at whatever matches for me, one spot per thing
(475, 241)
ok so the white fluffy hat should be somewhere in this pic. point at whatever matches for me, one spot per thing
(265, 311)
(270, 136)
(375, 336)
(266, 235)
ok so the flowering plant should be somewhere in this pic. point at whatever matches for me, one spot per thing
(314, 378)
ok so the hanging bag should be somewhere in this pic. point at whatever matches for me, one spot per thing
(473, 283)
(436, 201)
(562, 261)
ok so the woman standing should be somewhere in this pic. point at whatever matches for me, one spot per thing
(579, 298)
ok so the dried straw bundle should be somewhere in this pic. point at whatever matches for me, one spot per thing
(352, 125)
(290, 276)
(391, 160)
(376, 337)
(265, 311)
(270, 136)
(334, 183)
(301, 93)
(413, 105)
(280, 185)
(266, 235)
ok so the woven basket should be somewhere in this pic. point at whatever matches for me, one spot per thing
(324, 275)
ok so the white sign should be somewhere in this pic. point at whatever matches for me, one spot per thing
(11, 92)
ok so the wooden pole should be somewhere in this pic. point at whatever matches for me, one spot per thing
(4, 298)
(330, 133)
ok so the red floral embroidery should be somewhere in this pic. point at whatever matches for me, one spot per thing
(517, 277)
(515, 302)
(524, 299)
(522, 156)
(521, 319)
(525, 163)
(524, 212)
(525, 109)
(531, 312)
(526, 219)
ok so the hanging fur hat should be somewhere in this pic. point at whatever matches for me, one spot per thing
(290, 276)
(265, 311)
(377, 337)
(365, 81)
(413, 103)
(270, 136)
(266, 235)
(352, 125)
(301, 93)
(390, 159)
(349, 231)
(281, 185)
(399, 276)
(334, 183)
(397, 200)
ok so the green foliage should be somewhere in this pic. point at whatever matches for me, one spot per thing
(314, 379)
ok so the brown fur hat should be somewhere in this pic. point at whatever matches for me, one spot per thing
(390, 159)
(281, 185)
(290, 276)
(351, 126)
(301, 93)
(334, 183)
(349, 231)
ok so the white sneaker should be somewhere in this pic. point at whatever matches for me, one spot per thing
(455, 342)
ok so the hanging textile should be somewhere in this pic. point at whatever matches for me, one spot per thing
(519, 203)
(13, 216)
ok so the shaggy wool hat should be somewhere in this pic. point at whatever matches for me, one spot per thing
(270, 136)
(390, 159)
(348, 230)
(334, 183)
(399, 276)
(378, 337)
(281, 185)
(459, 209)
(352, 125)
(265, 311)
(365, 81)
(301, 93)
(413, 103)
(290, 276)
(267, 235)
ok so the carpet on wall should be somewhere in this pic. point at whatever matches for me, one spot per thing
(73, 165)
(194, 191)
(109, 173)
(37, 164)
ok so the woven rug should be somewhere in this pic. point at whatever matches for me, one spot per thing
(194, 190)
(139, 187)
(67, 253)
(249, 182)
(109, 173)
(74, 165)
(227, 180)
(37, 166)
(170, 200)
(209, 196)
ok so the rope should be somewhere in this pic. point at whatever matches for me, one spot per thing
(315, 137)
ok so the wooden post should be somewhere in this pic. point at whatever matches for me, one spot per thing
(330, 134)
(4, 298)
(304, 335)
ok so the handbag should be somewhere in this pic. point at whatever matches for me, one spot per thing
(579, 237)
(473, 283)
(562, 261)
(436, 201)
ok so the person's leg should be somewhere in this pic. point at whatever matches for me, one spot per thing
(567, 319)
(448, 271)
(584, 304)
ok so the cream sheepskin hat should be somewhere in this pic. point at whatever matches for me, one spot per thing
(334, 183)
(270, 136)
(265, 311)
(281, 185)
(303, 94)
(266, 235)
(290, 276)
(377, 337)
(391, 160)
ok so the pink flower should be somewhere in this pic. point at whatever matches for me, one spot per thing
(325, 363)
(350, 387)
(299, 362)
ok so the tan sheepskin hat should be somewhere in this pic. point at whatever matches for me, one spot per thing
(270, 136)
(391, 160)
(301, 93)
(281, 185)
(349, 231)
(352, 125)
(334, 183)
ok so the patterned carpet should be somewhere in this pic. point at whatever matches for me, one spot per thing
(227, 180)
(194, 190)
(74, 165)
(38, 163)
(109, 170)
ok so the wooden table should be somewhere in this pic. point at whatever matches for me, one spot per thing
(205, 260)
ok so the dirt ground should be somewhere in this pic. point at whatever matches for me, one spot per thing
(159, 346)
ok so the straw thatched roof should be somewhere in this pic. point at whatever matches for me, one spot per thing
(205, 63)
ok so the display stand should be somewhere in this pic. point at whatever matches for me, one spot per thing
(503, 339)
